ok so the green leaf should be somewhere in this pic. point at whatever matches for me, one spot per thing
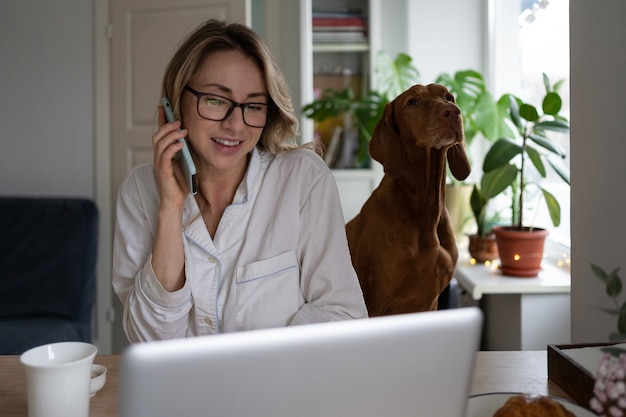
(557, 85)
(511, 104)
(330, 104)
(535, 158)
(396, 75)
(556, 125)
(599, 272)
(528, 112)
(496, 181)
(613, 286)
(621, 321)
(545, 143)
(546, 82)
(553, 207)
(560, 169)
(466, 85)
(500, 153)
(552, 104)
(477, 202)
(487, 116)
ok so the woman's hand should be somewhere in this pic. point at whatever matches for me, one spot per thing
(166, 143)
(168, 259)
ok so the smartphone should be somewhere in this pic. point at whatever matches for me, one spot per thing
(184, 156)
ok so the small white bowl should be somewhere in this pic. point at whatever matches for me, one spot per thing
(98, 377)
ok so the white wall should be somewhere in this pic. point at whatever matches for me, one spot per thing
(46, 109)
(598, 152)
(446, 36)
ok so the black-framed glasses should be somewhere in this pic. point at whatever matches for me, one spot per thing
(218, 108)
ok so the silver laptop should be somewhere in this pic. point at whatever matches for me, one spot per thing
(405, 365)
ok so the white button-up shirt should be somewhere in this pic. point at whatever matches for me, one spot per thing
(279, 256)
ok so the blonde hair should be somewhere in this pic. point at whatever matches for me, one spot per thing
(214, 35)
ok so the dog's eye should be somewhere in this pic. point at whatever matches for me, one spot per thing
(413, 102)
(450, 97)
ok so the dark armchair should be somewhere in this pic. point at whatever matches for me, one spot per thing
(48, 252)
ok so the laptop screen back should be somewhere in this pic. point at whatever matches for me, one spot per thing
(404, 365)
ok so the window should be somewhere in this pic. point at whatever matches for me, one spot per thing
(539, 43)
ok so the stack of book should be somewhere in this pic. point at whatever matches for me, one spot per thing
(339, 26)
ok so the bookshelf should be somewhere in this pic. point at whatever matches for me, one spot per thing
(340, 54)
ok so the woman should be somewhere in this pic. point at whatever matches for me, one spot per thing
(262, 243)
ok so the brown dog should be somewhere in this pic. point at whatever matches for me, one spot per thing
(402, 243)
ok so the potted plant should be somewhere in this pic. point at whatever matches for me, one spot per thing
(520, 247)
(613, 284)
(362, 113)
(482, 244)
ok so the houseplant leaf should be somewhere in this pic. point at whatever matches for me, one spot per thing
(560, 169)
(500, 153)
(546, 144)
(488, 117)
(330, 104)
(556, 125)
(495, 181)
(553, 207)
(552, 103)
(602, 274)
(511, 104)
(396, 75)
(528, 112)
(621, 322)
(613, 285)
(477, 204)
(466, 85)
(535, 158)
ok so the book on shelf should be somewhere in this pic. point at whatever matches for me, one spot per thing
(344, 36)
(348, 26)
(348, 23)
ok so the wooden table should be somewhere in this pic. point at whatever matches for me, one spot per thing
(519, 371)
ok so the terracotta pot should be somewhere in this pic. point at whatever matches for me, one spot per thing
(483, 248)
(520, 251)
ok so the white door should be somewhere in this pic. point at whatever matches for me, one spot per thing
(145, 34)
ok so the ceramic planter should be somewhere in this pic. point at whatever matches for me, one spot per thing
(520, 251)
(483, 248)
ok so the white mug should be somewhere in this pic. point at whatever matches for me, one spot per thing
(58, 377)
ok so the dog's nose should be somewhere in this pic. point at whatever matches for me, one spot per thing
(449, 110)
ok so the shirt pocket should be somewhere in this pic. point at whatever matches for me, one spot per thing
(268, 292)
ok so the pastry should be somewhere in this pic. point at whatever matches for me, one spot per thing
(527, 405)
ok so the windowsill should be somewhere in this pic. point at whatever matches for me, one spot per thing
(479, 279)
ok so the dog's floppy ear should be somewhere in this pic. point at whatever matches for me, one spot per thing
(385, 146)
(458, 161)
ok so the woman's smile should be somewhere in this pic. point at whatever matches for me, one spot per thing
(227, 142)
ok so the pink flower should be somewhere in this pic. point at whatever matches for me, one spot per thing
(610, 387)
